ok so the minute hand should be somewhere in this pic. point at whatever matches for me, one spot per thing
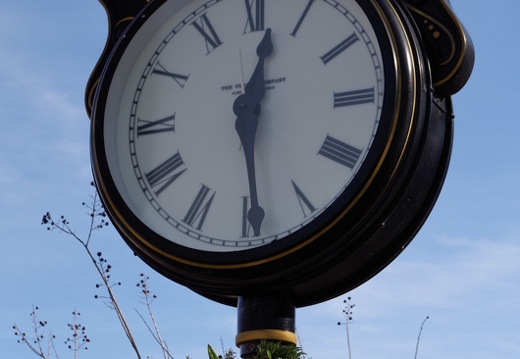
(247, 109)
(256, 87)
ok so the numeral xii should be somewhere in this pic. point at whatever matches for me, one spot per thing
(255, 16)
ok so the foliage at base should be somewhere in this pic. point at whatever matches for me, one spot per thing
(267, 350)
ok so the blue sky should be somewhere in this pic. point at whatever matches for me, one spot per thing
(462, 270)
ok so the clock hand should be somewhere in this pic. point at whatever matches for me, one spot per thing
(256, 86)
(246, 125)
(247, 109)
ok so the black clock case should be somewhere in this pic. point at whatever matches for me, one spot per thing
(353, 240)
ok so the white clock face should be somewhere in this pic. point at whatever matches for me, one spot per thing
(170, 125)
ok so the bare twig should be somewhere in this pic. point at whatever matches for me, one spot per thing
(51, 345)
(419, 337)
(347, 311)
(97, 221)
(79, 338)
(163, 345)
(304, 356)
(35, 345)
(148, 298)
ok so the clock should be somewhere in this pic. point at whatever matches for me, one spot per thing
(245, 146)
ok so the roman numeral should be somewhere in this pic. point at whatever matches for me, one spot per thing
(166, 124)
(166, 173)
(340, 152)
(199, 208)
(300, 20)
(256, 22)
(351, 98)
(338, 49)
(207, 31)
(305, 204)
(246, 226)
(178, 78)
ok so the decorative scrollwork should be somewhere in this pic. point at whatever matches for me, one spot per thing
(448, 45)
(120, 13)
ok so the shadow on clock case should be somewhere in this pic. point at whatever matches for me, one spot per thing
(356, 237)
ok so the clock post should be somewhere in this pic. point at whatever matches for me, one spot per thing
(267, 317)
(268, 154)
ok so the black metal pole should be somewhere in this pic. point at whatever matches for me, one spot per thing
(268, 317)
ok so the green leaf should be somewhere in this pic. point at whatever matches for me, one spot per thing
(211, 353)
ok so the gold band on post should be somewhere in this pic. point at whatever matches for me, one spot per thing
(266, 334)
